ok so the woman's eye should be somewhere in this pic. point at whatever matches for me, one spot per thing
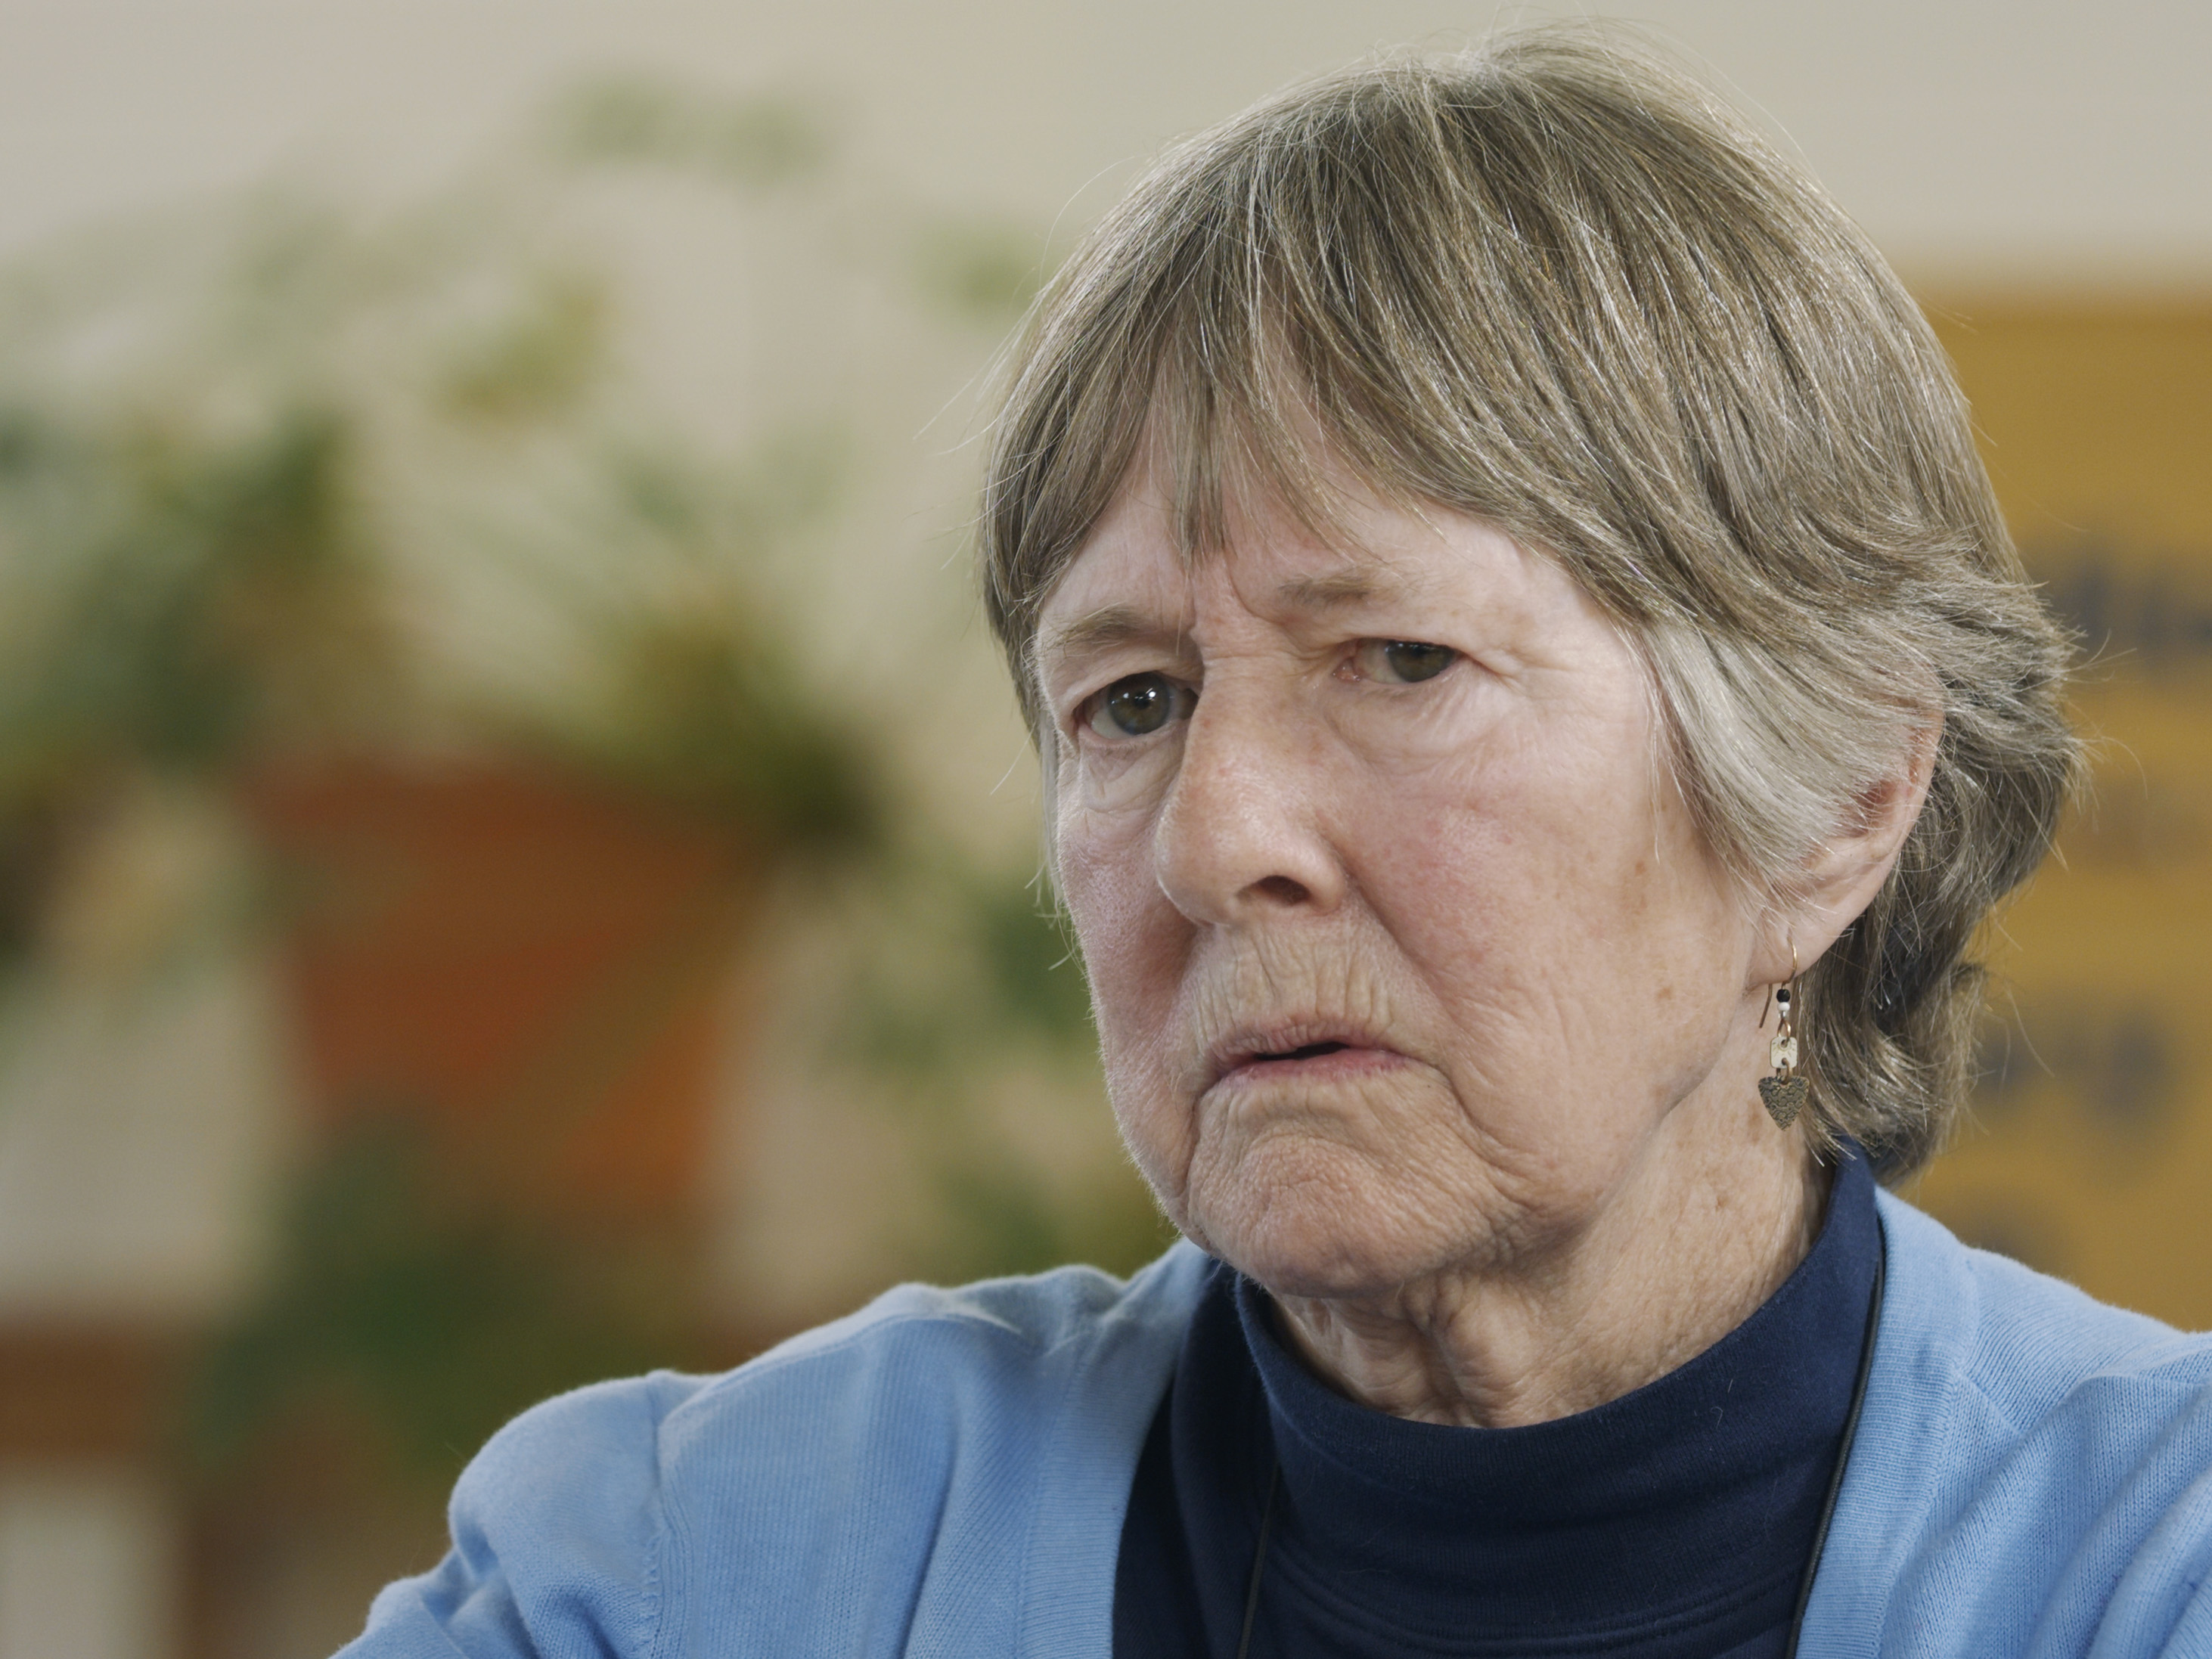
(1138, 707)
(1402, 662)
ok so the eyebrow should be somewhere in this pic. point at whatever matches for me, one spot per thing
(1117, 624)
(1094, 630)
(1335, 591)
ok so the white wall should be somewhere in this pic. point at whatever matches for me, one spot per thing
(86, 1566)
(139, 1134)
(2021, 140)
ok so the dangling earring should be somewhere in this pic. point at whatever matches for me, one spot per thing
(1784, 1094)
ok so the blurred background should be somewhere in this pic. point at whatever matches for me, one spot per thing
(517, 863)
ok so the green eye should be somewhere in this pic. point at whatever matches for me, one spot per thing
(1137, 706)
(1404, 662)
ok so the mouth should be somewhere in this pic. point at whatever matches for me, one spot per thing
(1306, 1051)
(1255, 1056)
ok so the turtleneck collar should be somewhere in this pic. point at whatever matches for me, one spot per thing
(1676, 1519)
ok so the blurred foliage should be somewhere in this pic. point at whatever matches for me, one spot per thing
(699, 710)
(1007, 1224)
(404, 1305)
(691, 690)
(982, 271)
(543, 356)
(199, 596)
(1001, 970)
(301, 486)
(167, 603)
(287, 480)
(755, 142)
(970, 983)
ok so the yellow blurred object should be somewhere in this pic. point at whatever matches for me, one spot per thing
(2090, 1155)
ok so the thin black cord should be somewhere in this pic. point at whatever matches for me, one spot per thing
(1259, 1561)
(1843, 1456)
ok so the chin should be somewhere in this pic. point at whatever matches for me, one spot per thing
(1316, 1221)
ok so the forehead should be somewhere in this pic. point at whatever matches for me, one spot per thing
(1135, 576)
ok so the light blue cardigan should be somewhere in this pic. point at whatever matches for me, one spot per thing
(945, 1474)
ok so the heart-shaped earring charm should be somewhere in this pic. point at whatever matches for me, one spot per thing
(1783, 1097)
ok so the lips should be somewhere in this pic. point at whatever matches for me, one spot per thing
(1277, 1049)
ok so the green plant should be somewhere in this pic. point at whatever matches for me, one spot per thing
(285, 484)
(406, 1307)
(962, 986)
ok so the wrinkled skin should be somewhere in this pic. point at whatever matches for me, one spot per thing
(1421, 1000)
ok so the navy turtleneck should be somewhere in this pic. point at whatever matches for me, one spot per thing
(1676, 1521)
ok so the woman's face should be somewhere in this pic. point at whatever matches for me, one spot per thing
(1401, 941)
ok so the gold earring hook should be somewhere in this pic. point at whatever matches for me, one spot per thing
(1767, 1006)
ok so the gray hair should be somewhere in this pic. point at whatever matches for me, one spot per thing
(1556, 285)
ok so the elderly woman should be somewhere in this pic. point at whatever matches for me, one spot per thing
(1535, 700)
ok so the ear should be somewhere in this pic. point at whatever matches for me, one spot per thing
(1843, 874)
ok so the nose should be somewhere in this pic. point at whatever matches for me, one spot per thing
(1240, 834)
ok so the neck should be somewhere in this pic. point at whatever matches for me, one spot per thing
(1712, 1217)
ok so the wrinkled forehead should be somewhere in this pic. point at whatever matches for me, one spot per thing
(1176, 518)
(1376, 569)
(1200, 484)
(1343, 539)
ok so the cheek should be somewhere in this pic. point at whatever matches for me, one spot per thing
(1470, 865)
(1134, 945)
(1105, 876)
(1575, 936)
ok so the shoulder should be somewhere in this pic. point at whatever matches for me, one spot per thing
(832, 1473)
(2020, 1353)
(2033, 1470)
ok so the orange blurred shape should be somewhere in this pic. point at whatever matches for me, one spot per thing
(529, 967)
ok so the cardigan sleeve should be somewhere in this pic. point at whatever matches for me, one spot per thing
(940, 1473)
(558, 1529)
